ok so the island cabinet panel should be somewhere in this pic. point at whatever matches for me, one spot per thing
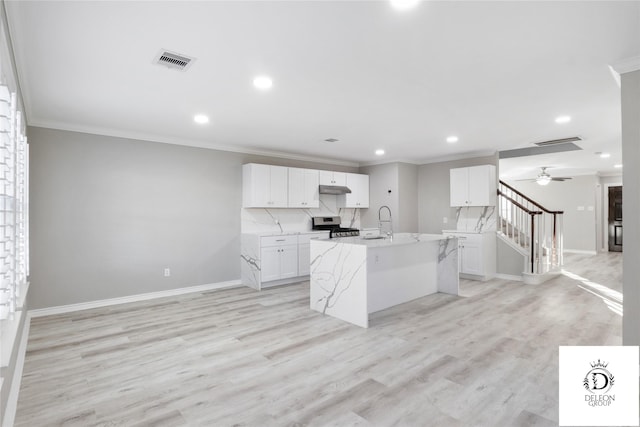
(264, 186)
(303, 188)
(473, 186)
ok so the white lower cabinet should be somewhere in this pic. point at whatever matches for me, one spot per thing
(476, 254)
(275, 260)
(279, 257)
(279, 262)
(304, 248)
(470, 255)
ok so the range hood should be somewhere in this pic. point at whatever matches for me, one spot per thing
(334, 189)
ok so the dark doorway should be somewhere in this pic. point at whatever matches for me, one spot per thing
(615, 219)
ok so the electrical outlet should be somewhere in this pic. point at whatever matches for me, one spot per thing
(445, 220)
(167, 272)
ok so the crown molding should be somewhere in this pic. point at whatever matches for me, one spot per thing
(387, 161)
(627, 65)
(141, 136)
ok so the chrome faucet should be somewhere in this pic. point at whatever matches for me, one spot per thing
(386, 221)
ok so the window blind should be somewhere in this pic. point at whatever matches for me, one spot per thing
(14, 212)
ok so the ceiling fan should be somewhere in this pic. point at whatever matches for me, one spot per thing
(544, 178)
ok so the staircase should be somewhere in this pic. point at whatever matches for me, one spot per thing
(533, 231)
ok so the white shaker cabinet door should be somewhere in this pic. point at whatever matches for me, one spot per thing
(288, 261)
(279, 191)
(459, 187)
(303, 188)
(482, 185)
(472, 258)
(270, 263)
(359, 196)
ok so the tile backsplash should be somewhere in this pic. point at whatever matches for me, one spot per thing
(476, 218)
(280, 220)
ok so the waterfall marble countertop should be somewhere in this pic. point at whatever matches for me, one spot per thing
(398, 239)
(351, 277)
(288, 233)
(468, 232)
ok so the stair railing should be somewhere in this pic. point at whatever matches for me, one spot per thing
(531, 226)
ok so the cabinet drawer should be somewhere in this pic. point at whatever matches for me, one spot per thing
(279, 240)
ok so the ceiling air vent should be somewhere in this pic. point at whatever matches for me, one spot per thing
(558, 141)
(176, 61)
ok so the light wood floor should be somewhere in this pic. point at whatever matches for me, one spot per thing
(239, 357)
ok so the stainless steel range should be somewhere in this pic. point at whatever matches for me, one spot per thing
(332, 223)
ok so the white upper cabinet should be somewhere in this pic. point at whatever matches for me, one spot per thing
(333, 178)
(303, 188)
(264, 186)
(359, 196)
(473, 186)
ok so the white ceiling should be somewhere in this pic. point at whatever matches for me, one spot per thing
(495, 74)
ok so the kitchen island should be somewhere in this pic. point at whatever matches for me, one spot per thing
(352, 277)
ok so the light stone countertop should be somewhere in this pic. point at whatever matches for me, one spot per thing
(287, 233)
(468, 232)
(398, 239)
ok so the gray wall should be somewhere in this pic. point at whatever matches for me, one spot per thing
(394, 185)
(382, 178)
(631, 206)
(433, 193)
(508, 260)
(568, 196)
(109, 214)
(408, 197)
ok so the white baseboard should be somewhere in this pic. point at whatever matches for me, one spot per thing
(509, 277)
(580, 251)
(12, 400)
(131, 298)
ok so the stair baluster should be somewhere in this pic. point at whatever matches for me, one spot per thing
(529, 226)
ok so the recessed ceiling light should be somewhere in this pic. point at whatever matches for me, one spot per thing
(379, 152)
(404, 4)
(263, 82)
(201, 119)
(452, 139)
(617, 166)
(605, 155)
(563, 119)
